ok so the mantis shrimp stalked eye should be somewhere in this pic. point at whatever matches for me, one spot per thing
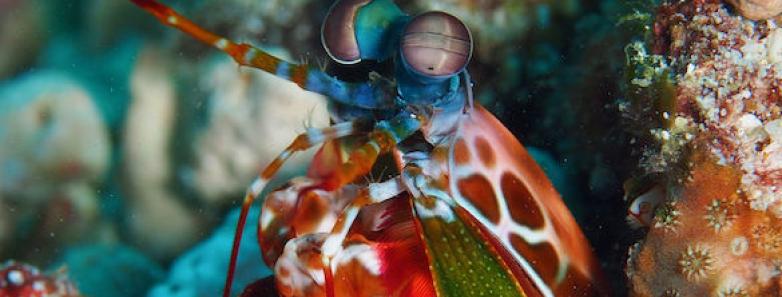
(436, 44)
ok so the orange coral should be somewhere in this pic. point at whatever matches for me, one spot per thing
(718, 230)
(694, 258)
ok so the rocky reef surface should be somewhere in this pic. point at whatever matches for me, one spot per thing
(199, 273)
(705, 88)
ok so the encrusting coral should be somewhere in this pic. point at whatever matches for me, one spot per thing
(709, 93)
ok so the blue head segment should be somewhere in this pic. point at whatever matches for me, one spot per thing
(355, 30)
(431, 49)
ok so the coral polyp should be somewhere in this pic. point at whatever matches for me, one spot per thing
(667, 216)
(734, 292)
(767, 238)
(695, 263)
(718, 215)
(671, 293)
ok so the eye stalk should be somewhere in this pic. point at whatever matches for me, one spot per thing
(338, 32)
(356, 30)
(436, 45)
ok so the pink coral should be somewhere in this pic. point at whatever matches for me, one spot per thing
(22, 280)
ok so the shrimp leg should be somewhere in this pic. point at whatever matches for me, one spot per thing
(302, 142)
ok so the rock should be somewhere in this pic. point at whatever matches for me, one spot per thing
(54, 150)
(293, 24)
(201, 270)
(158, 221)
(7, 225)
(758, 9)
(107, 22)
(111, 270)
(22, 33)
(49, 127)
(253, 116)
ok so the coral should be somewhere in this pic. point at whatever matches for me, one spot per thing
(667, 216)
(705, 90)
(54, 151)
(671, 293)
(733, 292)
(50, 126)
(718, 215)
(22, 280)
(695, 263)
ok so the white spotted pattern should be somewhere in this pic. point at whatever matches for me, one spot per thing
(506, 225)
(15, 277)
(479, 123)
(221, 43)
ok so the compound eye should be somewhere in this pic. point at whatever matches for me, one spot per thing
(338, 32)
(436, 44)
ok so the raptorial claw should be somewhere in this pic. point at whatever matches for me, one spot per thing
(299, 270)
(299, 208)
(368, 259)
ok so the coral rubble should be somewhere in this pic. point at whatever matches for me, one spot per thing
(708, 93)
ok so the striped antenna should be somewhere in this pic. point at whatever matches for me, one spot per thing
(365, 95)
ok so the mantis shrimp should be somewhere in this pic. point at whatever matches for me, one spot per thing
(466, 211)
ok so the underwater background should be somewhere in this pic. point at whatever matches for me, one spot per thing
(126, 146)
